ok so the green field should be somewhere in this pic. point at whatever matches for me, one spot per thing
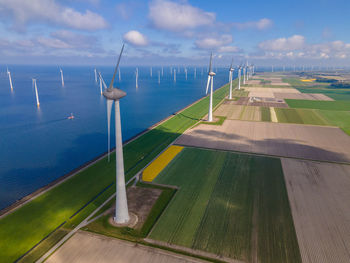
(25, 227)
(338, 118)
(339, 105)
(336, 94)
(232, 205)
(300, 116)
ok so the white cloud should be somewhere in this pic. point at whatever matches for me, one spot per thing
(283, 44)
(25, 11)
(135, 38)
(261, 24)
(213, 42)
(228, 49)
(53, 43)
(177, 17)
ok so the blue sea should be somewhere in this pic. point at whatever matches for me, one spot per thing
(38, 145)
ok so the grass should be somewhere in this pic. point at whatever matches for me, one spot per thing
(221, 196)
(341, 105)
(25, 227)
(158, 165)
(265, 114)
(300, 116)
(220, 121)
(338, 118)
(102, 226)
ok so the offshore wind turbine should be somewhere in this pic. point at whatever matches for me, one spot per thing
(211, 75)
(102, 82)
(137, 77)
(230, 79)
(186, 73)
(10, 79)
(195, 72)
(62, 80)
(95, 75)
(162, 71)
(158, 77)
(174, 74)
(36, 92)
(113, 95)
(151, 72)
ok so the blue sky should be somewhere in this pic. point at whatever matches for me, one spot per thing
(311, 32)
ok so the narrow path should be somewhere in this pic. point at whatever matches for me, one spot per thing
(273, 114)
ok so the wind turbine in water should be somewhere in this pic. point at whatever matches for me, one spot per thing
(158, 77)
(10, 79)
(151, 72)
(62, 80)
(195, 72)
(113, 95)
(186, 73)
(230, 79)
(174, 75)
(95, 75)
(137, 77)
(102, 82)
(211, 75)
(36, 92)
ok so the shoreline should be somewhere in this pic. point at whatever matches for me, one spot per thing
(24, 200)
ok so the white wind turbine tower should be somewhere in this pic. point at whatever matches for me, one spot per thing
(195, 72)
(62, 80)
(114, 95)
(10, 79)
(158, 77)
(137, 77)
(36, 92)
(186, 73)
(211, 75)
(230, 79)
(244, 70)
(151, 72)
(174, 75)
(95, 75)
(102, 82)
(239, 77)
(162, 71)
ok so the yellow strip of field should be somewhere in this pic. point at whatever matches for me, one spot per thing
(160, 163)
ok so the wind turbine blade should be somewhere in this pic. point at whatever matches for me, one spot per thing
(116, 68)
(109, 111)
(103, 82)
(206, 92)
(211, 58)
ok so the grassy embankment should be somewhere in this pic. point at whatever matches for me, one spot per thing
(24, 228)
(232, 205)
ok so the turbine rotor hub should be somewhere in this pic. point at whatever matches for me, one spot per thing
(114, 94)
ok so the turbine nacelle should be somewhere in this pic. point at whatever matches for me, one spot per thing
(211, 73)
(114, 93)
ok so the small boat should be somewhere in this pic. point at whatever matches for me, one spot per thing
(71, 117)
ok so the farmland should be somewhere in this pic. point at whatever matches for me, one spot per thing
(25, 227)
(300, 116)
(227, 205)
(340, 105)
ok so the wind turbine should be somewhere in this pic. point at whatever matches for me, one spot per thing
(62, 80)
(239, 77)
(211, 75)
(137, 77)
(230, 79)
(174, 74)
(10, 79)
(162, 71)
(151, 72)
(114, 95)
(244, 70)
(102, 82)
(158, 77)
(186, 73)
(95, 75)
(195, 72)
(36, 92)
